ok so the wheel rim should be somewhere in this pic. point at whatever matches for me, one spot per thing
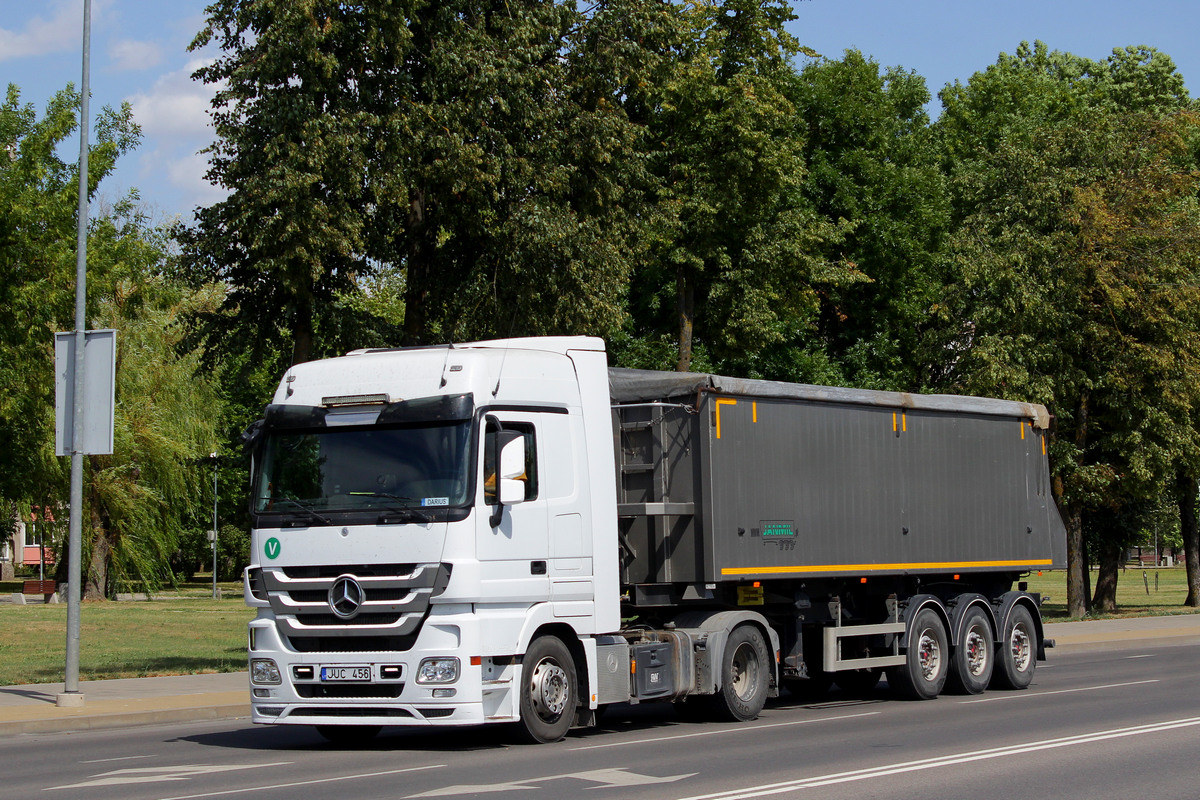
(929, 655)
(549, 689)
(1021, 647)
(744, 671)
(977, 649)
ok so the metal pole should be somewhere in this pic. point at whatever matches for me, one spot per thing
(214, 529)
(71, 696)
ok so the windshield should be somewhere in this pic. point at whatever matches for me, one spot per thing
(365, 468)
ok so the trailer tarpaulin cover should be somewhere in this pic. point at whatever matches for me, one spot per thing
(646, 386)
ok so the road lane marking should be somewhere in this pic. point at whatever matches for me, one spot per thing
(733, 729)
(118, 758)
(294, 784)
(1144, 655)
(944, 761)
(602, 778)
(120, 777)
(1019, 695)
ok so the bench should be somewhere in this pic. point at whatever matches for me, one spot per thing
(45, 588)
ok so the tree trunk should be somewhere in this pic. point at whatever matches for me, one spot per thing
(1106, 579)
(1077, 592)
(416, 275)
(302, 331)
(1186, 490)
(685, 309)
(95, 587)
(1077, 566)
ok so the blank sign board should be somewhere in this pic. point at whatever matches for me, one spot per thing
(99, 391)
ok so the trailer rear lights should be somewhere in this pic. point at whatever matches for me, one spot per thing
(444, 692)
(265, 671)
(438, 670)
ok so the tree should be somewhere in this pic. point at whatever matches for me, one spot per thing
(38, 202)
(1074, 264)
(872, 162)
(477, 148)
(737, 255)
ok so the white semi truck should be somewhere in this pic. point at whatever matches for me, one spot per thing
(512, 532)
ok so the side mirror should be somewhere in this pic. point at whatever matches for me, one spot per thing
(512, 468)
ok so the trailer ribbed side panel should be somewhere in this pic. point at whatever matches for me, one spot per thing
(771, 486)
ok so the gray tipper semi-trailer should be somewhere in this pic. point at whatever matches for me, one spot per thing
(511, 532)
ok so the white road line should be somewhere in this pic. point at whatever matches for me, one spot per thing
(106, 760)
(1019, 695)
(294, 784)
(943, 761)
(1144, 655)
(735, 729)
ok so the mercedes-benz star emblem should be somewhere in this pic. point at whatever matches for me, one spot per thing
(346, 597)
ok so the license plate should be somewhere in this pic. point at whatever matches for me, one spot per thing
(345, 674)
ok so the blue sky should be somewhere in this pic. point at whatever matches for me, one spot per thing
(139, 55)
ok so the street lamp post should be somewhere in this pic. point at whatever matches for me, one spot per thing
(213, 456)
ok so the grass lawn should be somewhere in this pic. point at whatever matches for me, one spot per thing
(176, 634)
(1167, 590)
(187, 631)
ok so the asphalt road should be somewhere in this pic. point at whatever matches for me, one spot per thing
(1094, 725)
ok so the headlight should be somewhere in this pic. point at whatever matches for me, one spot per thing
(438, 670)
(265, 671)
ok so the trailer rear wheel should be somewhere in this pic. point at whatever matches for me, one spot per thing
(927, 661)
(1018, 651)
(548, 691)
(745, 675)
(973, 662)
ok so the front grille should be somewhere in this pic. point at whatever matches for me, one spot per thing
(348, 711)
(395, 601)
(310, 691)
(351, 644)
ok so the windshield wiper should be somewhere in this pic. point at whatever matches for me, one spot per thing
(307, 509)
(414, 511)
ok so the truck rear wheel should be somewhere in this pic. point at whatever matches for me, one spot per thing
(1018, 649)
(744, 675)
(549, 691)
(973, 661)
(927, 661)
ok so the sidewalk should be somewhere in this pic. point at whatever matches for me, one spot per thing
(185, 698)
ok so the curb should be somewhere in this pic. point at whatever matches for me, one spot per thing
(100, 722)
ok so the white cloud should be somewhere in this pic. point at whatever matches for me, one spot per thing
(175, 106)
(174, 118)
(63, 31)
(130, 54)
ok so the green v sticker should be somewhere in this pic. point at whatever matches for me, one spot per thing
(271, 549)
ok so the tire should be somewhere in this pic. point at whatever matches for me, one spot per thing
(973, 660)
(549, 691)
(927, 661)
(1016, 655)
(745, 676)
(348, 735)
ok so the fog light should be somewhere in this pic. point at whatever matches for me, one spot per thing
(444, 692)
(264, 670)
(438, 670)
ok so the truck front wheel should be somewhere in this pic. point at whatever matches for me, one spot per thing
(1018, 651)
(927, 662)
(744, 675)
(548, 691)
